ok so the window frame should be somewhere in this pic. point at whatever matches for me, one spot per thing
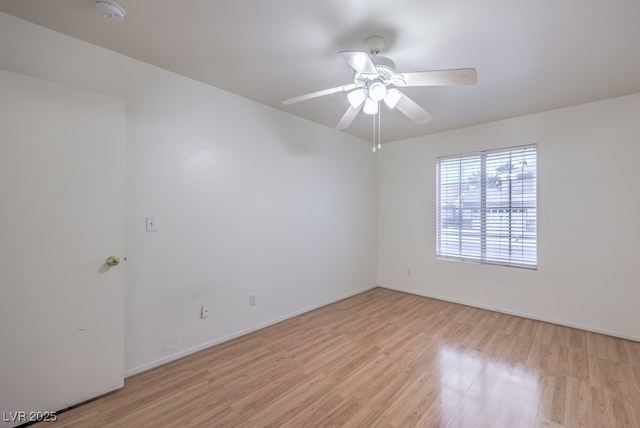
(481, 256)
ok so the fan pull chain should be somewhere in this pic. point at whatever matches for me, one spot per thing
(374, 133)
(377, 143)
(379, 133)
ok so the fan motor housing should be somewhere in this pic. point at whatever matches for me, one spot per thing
(385, 69)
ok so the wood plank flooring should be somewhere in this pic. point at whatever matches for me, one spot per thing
(387, 359)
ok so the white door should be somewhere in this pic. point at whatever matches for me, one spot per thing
(61, 215)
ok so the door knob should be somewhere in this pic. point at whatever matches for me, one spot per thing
(113, 260)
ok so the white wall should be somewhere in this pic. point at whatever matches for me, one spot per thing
(588, 218)
(248, 200)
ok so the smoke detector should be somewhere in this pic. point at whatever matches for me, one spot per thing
(109, 10)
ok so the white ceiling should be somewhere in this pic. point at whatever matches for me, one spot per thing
(530, 55)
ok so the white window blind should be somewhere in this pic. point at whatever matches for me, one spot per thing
(487, 207)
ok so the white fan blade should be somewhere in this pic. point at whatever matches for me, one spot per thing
(320, 93)
(460, 76)
(349, 116)
(412, 110)
(360, 61)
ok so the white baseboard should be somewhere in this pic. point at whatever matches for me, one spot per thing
(184, 353)
(516, 313)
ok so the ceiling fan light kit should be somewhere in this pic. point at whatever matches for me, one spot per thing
(392, 98)
(370, 107)
(356, 98)
(373, 76)
(376, 90)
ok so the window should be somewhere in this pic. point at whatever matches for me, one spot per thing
(486, 207)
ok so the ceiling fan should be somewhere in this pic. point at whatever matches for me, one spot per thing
(374, 80)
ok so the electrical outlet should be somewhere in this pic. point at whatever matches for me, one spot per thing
(409, 273)
(152, 224)
(252, 299)
(204, 311)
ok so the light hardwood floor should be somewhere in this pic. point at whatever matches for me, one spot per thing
(387, 359)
